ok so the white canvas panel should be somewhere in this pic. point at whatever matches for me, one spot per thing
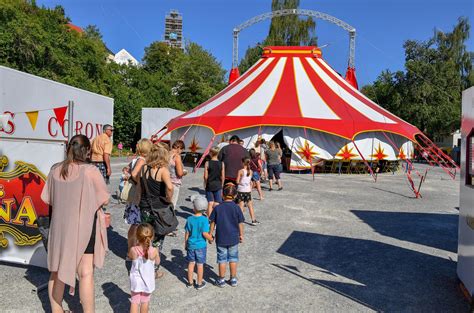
(343, 81)
(311, 103)
(372, 142)
(197, 136)
(235, 89)
(324, 145)
(258, 102)
(348, 98)
(251, 135)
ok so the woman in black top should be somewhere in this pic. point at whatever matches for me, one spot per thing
(214, 176)
(156, 176)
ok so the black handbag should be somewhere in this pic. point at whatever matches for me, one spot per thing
(162, 217)
(43, 223)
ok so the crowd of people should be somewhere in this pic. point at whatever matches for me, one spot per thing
(77, 194)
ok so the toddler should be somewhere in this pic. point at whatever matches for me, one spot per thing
(197, 231)
(142, 274)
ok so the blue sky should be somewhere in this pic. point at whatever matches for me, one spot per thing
(382, 26)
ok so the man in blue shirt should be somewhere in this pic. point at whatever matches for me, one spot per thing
(197, 231)
(229, 233)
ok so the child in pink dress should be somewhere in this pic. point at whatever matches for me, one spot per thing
(142, 274)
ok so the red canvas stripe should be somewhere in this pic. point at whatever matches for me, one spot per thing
(285, 101)
(227, 89)
(232, 103)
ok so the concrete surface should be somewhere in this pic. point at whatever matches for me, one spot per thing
(336, 244)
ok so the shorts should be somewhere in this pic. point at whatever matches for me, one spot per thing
(197, 255)
(274, 169)
(227, 254)
(140, 297)
(102, 168)
(243, 196)
(214, 196)
(255, 176)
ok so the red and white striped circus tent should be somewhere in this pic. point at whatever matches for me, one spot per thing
(294, 91)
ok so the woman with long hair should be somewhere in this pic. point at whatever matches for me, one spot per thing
(75, 191)
(132, 211)
(158, 191)
(274, 161)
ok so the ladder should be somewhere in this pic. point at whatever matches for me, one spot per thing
(435, 156)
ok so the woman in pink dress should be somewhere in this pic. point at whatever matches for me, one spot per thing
(77, 242)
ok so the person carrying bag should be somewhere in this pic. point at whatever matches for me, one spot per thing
(156, 193)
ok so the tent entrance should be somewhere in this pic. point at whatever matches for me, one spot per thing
(286, 158)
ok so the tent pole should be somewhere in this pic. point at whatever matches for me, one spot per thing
(311, 161)
(365, 162)
(204, 154)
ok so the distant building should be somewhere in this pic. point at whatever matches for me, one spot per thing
(174, 29)
(124, 57)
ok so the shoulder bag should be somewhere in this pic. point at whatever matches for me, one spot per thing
(161, 217)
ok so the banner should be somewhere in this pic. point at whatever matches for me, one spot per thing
(22, 177)
(33, 135)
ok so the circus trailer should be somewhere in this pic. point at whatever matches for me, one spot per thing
(36, 117)
(294, 96)
(465, 268)
(154, 119)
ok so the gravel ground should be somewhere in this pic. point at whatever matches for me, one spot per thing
(335, 244)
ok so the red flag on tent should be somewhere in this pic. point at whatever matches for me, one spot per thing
(60, 114)
(351, 77)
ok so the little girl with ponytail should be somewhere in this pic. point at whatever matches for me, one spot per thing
(142, 274)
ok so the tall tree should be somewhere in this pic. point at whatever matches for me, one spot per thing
(289, 30)
(428, 93)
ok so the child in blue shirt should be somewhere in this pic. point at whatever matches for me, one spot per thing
(197, 231)
(230, 231)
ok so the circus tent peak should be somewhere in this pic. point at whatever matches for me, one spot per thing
(293, 87)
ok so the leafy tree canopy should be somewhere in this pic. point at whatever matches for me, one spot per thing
(39, 41)
(428, 93)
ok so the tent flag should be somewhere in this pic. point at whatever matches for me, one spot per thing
(60, 114)
(33, 118)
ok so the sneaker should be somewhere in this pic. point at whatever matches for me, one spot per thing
(281, 188)
(202, 285)
(189, 285)
(233, 282)
(255, 223)
(220, 282)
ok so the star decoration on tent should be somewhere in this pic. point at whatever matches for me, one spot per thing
(379, 153)
(194, 146)
(346, 153)
(306, 152)
(402, 155)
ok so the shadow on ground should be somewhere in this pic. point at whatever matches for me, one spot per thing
(389, 278)
(177, 266)
(117, 243)
(118, 299)
(429, 229)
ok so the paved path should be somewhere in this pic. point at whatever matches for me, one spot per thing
(336, 244)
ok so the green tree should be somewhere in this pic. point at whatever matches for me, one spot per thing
(428, 93)
(289, 30)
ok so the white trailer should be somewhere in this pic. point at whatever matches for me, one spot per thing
(465, 268)
(37, 116)
(154, 119)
